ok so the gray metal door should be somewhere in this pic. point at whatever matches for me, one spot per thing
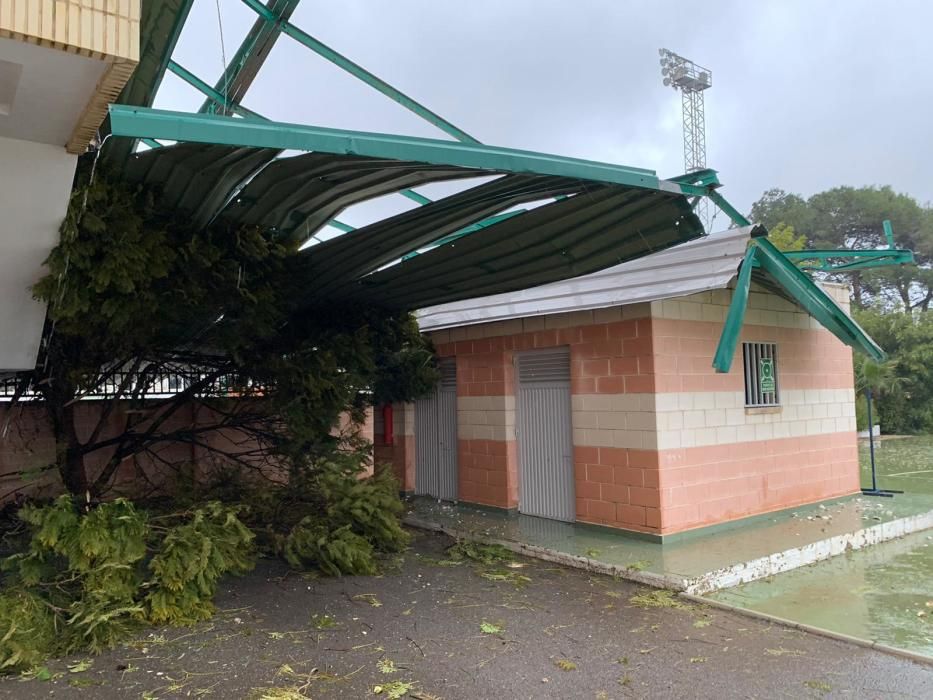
(545, 436)
(436, 437)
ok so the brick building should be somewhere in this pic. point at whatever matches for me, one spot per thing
(595, 399)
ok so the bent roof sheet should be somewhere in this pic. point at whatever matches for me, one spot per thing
(709, 263)
(230, 169)
(698, 266)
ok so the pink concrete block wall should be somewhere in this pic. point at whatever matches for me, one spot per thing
(808, 358)
(488, 472)
(659, 489)
(707, 485)
(618, 487)
(606, 358)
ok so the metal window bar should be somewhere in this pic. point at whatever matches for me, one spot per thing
(752, 354)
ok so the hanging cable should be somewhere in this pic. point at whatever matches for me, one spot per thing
(223, 57)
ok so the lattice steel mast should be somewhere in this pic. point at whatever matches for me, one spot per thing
(691, 80)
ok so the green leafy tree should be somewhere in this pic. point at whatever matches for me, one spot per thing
(849, 217)
(904, 383)
(200, 338)
(138, 297)
(879, 379)
(786, 239)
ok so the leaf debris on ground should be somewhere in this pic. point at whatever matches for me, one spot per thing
(490, 628)
(658, 598)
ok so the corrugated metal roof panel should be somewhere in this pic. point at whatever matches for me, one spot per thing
(195, 179)
(556, 241)
(298, 195)
(697, 266)
(604, 214)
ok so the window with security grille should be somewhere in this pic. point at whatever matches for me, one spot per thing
(761, 375)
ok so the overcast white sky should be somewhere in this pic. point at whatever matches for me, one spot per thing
(806, 95)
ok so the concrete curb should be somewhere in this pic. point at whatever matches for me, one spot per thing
(796, 557)
(810, 629)
(648, 578)
(726, 577)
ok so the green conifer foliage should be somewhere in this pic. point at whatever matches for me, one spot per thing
(193, 556)
(90, 575)
(335, 552)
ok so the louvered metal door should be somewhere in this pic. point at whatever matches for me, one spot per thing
(545, 438)
(436, 437)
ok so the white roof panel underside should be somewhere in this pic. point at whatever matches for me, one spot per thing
(698, 266)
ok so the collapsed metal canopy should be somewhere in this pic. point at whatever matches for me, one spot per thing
(697, 266)
(229, 168)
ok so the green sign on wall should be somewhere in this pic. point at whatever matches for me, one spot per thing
(766, 375)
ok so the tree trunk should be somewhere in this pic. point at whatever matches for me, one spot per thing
(903, 291)
(69, 451)
(857, 292)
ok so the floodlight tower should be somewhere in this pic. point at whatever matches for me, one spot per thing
(691, 80)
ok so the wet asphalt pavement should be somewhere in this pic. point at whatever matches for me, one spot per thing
(509, 629)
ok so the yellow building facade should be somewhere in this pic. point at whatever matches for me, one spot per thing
(106, 31)
(61, 63)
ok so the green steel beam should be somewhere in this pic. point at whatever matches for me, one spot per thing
(705, 177)
(256, 46)
(863, 259)
(888, 232)
(764, 256)
(812, 298)
(359, 72)
(152, 143)
(737, 218)
(882, 261)
(139, 122)
(346, 228)
(213, 95)
(735, 318)
(858, 259)
(415, 197)
(830, 253)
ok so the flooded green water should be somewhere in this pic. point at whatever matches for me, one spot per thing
(901, 463)
(883, 593)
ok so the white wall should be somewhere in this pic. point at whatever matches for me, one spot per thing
(35, 184)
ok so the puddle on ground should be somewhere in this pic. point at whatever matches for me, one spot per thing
(902, 463)
(883, 593)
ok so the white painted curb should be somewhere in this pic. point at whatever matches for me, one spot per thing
(794, 558)
(726, 577)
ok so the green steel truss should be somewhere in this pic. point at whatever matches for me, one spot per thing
(845, 260)
(358, 71)
(252, 53)
(162, 23)
(272, 20)
(144, 122)
(764, 259)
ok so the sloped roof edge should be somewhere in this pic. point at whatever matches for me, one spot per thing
(700, 265)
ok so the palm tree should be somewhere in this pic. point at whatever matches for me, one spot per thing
(876, 378)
